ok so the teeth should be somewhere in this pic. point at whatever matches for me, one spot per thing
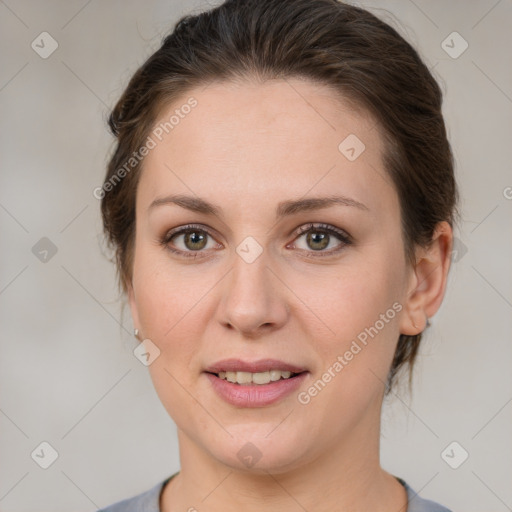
(275, 375)
(231, 376)
(261, 378)
(245, 378)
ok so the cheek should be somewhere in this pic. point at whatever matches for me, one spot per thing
(361, 307)
(169, 307)
(362, 310)
(355, 298)
(167, 300)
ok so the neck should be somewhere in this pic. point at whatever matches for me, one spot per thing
(346, 477)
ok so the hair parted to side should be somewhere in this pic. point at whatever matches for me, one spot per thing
(342, 46)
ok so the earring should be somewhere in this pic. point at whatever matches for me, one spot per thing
(427, 323)
(136, 333)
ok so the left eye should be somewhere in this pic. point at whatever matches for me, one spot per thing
(321, 238)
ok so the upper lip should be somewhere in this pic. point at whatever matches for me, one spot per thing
(261, 365)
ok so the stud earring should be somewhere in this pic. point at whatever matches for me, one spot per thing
(136, 333)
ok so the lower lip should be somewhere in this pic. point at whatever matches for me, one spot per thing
(255, 395)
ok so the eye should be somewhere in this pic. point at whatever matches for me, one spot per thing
(321, 238)
(189, 241)
(192, 241)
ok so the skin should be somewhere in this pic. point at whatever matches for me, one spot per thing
(245, 147)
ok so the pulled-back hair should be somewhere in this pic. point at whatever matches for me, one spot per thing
(342, 46)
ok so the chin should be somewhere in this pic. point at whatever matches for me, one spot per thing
(256, 451)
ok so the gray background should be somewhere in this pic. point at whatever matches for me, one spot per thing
(67, 372)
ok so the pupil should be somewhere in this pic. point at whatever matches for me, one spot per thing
(195, 239)
(319, 238)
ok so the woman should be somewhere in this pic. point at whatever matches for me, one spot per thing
(280, 202)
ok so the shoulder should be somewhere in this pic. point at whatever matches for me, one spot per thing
(148, 501)
(419, 504)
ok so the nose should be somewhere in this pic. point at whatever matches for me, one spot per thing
(253, 299)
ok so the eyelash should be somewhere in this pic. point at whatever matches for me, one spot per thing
(330, 230)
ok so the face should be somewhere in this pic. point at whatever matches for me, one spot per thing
(283, 245)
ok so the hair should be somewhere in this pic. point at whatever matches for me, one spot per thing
(328, 42)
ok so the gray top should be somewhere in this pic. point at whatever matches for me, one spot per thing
(149, 501)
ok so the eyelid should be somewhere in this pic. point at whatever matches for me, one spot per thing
(187, 227)
(323, 227)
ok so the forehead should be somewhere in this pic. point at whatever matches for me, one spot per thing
(278, 138)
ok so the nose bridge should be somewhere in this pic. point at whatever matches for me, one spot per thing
(250, 273)
(251, 298)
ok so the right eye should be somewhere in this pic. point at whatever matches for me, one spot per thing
(188, 241)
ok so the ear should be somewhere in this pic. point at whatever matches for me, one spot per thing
(428, 279)
(133, 305)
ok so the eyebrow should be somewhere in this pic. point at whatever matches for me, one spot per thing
(284, 208)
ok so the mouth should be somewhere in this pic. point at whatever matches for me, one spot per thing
(254, 384)
(259, 378)
(261, 372)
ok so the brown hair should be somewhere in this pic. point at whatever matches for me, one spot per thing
(328, 42)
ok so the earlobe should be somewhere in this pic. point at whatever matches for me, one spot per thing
(428, 281)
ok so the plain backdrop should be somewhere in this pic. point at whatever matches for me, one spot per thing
(68, 376)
